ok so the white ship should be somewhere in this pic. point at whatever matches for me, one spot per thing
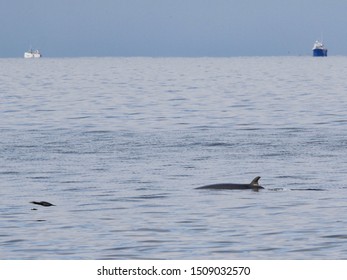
(32, 54)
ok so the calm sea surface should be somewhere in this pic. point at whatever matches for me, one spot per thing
(120, 144)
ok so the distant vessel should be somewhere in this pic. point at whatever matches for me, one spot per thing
(32, 54)
(319, 49)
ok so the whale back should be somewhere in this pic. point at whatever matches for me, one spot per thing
(254, 185)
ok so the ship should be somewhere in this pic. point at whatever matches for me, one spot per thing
(32, 54)
(319, 49)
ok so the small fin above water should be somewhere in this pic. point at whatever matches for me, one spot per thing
(255, 181)
(42, 203)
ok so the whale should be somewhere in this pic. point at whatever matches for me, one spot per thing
(254, 185)
(42, 203)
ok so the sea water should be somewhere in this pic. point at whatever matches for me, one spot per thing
(120, 144)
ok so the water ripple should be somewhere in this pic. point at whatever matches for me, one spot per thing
(119, 148)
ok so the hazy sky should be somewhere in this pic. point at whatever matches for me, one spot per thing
(61, 28)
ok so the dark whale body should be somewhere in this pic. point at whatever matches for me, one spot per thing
(42, 203)
(251, 186)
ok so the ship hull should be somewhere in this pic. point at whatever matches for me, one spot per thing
(320, 52)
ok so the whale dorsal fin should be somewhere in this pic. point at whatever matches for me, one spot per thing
(255, 181)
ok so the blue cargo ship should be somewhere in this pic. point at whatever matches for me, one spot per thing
(319, 49)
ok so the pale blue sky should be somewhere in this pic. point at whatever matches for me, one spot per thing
(67, 28)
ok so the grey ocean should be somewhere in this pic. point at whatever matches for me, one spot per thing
(120, 144)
